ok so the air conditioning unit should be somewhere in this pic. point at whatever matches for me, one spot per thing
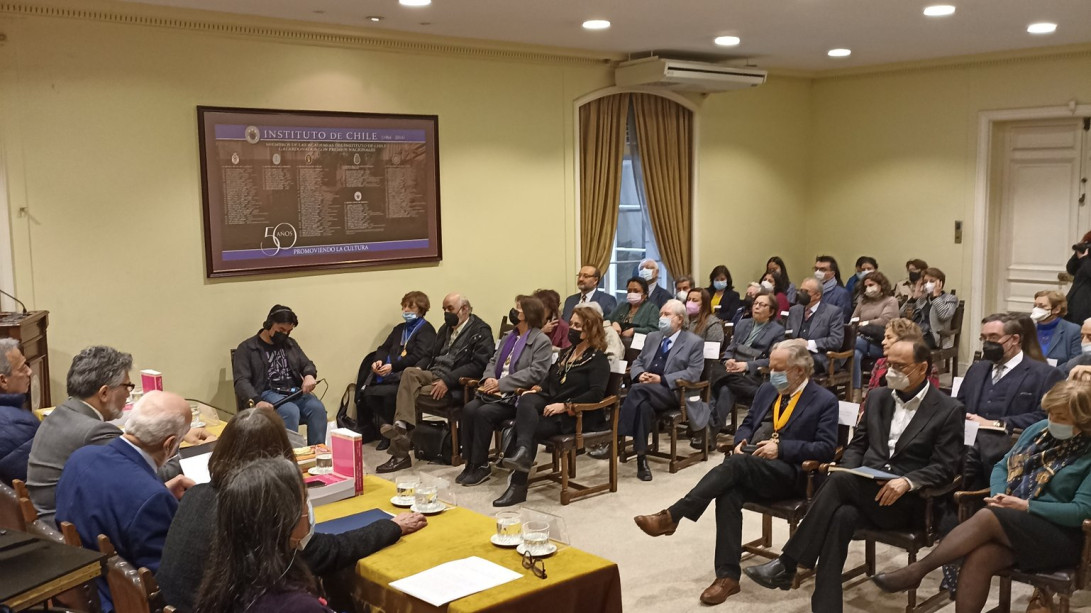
(679, 75)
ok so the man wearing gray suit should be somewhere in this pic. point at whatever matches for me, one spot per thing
(98, 386)
(669, 355)
(817, 322)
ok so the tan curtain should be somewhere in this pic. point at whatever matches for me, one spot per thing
(602, 147)
(664, 136)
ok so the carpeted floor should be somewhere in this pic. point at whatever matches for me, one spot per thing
(668, 573)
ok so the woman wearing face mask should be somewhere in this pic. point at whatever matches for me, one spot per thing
(775, 284)
(724, 301)
(865, 265)
(1059, 338)
(555, 327)
(899, 329)
(934, 310)
(875, 308)
(775, 264)
(408, 343)
(637, 313)
(251, 435)
(912, 287)
(1037, 503)
(700, 320)
(579, 376)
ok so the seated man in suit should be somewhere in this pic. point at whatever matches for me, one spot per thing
(915, 432)
(1002, 391)
(649, 271)
(791, 421)
(833, 292)
(587, 281)
(669, 354)
(98, 386)
(113, 489)
(745, 354)
(462, 348)
(1084, 358)
(270, 366)
(815, 321)
(17, 424)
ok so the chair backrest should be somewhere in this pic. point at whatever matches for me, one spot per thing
(848, 343)
(956, 324)
(613, 384)
(11, 516)
(132, 590)
(240, 404)
(505, 327)
(729, 332)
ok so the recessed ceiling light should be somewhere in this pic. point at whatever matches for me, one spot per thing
(1042, 28)
(375, 18)
(939, 10)
(839, 52)
(727, 41)
(414, 2)
(596, 24)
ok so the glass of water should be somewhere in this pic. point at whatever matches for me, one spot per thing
(407, 486)
(536, 537)
(509, 528)
(426, 497)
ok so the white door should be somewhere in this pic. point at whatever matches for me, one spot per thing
(1041, 214)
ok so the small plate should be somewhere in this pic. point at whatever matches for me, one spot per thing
(398, 501)
(439, 508)
(552, 549)
(314, 470)
(495, 540)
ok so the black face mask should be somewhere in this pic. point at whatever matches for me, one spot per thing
(280, 339)
(513, 317)
(451, 319)
(992, 351)
(803, 297)
(914, 276)
(574, 336)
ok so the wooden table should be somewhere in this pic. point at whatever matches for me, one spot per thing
(39, 569)
(576, 581)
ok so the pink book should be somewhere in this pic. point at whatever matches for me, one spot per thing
(151, 380)
(348, 455)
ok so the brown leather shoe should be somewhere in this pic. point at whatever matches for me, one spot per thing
(720, 590)
(659, 524)
(1039, 603)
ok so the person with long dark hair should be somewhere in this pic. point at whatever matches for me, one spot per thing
(1079, 295)
(263, 514)
(724, 300)
(775, 264)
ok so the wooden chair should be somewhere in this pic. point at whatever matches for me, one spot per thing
(839, 379)
(11, 516)
(83, 598)
(132, 590)
(240, 404)
(949, 355)
(566, 447)
(452, 413)
(1062, 583)
(676, 423)
(505, 327)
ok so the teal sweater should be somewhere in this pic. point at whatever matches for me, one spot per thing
(644, 321)
(1066, 499)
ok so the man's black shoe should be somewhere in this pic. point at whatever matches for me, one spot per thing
(600, 452)
(642, 471)
(384, 444)
(477, 476)
(394, 464)
(771, 575)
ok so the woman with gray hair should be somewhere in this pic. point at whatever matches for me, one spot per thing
(17, 424)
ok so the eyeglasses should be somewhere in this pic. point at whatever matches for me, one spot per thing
(128, 386)
(534, 565)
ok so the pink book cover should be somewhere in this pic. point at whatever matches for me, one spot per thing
(151, 380)
(328, 479)
(348, 455)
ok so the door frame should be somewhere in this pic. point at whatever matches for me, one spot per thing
(986, 128)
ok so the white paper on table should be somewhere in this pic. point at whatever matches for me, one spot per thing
(847, 412)
(638, 341)
(956, 384)
(1052, 362)
(619, 367)
(453, 580)
(712, 351)
(971, 432)
(196, 468)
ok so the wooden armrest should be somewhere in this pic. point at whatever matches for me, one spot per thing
(583, 407)
(824, 468)
(943, 490)
(839, 355)
(811, 466)
(965, 497)
(1087, 527)
(692, 385)
(468, 382)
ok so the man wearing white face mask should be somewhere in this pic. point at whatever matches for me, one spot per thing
(1084, 359)
(649, 271)
(669, 354)
(1059, 339)
(682, 287)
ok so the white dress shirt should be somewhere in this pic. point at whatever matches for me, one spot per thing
(1007, 367)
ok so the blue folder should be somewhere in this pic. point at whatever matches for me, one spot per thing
(351, 522)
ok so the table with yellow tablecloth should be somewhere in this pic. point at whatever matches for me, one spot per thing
(576, 581)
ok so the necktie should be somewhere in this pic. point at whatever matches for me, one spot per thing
(998, 371)
(665, 347)
(807, 314)
(583, 298)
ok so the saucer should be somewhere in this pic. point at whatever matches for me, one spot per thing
(404, 503)
(439, 508)
(495, 540)
(314, 470)
(552, 549)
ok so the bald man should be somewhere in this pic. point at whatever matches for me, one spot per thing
(113, 489)
(463, 347)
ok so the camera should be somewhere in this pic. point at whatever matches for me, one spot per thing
(1081, 246)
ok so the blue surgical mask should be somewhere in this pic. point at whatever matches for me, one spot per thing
(779, 379)
(409, 316)
(719, 285)
(863, 273)
(1061, 432)
(665, 324)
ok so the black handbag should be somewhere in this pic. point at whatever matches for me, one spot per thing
(432, 441)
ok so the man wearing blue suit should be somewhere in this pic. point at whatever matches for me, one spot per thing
(113, 489)
(828, 274)
(816, 321)
(792, 420)
(1002, 390)
(587, 281)
(669, 355)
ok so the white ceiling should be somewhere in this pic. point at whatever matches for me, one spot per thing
(775, 33)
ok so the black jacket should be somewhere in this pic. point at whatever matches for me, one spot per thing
(415, 349)
(1079, 295)
(249, 368)
(585, 382)
(468, 356)
(729, 304)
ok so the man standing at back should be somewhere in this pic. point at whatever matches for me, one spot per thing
(587, 281)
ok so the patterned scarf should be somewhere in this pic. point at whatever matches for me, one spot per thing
(1032, 466)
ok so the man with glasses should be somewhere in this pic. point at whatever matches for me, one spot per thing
(587, 281)
(98, 387)
(1001, 392)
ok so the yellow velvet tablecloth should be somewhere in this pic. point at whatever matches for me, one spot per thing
(576, 581)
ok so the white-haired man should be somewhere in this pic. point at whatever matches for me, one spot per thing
(113, 489)
(649, 271)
